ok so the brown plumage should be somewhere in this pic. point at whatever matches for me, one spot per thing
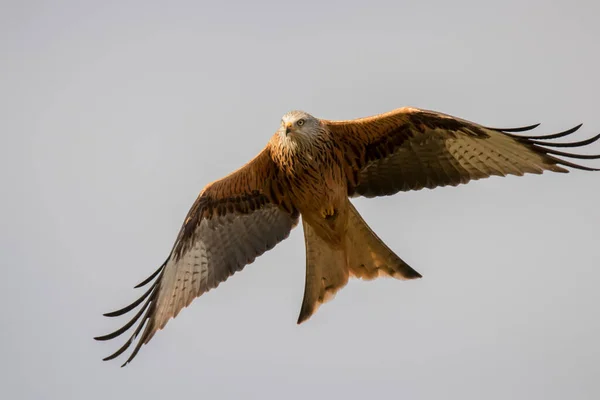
(310, 168)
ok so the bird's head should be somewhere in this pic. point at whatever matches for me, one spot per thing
(299, 125)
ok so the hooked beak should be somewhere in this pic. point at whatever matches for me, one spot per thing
(288, 128)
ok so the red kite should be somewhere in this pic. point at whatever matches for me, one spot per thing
(310, 168)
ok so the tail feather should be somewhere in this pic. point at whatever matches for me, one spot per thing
(326, 272)
(363, 255)
(368, 256)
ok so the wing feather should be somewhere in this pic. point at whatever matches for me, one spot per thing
(233, 221)
(411, 149)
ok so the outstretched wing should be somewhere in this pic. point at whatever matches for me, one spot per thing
(233, 221)
(410, 149)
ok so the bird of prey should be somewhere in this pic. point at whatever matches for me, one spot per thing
(310, 168)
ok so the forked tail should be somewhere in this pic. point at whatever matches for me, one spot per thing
(363, 255)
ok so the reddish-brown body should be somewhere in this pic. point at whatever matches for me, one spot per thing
(313, 180)
(310, 168)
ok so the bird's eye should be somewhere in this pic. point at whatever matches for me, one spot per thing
(300, 122)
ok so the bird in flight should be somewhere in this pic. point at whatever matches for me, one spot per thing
(310, 168)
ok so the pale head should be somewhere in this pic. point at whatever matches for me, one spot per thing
(299, 125)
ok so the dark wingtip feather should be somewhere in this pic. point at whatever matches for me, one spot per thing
(565, 154)
(570, 144)
(134, 352)
(148, 332)
(148, 279)
(130, 307)
(149, 305)
(132, 339)
(573, 165)
(540, 145)
(125, 327)
(547, 137)
(514, 130)
(119, 351)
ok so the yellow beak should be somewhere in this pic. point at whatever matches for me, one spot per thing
(288, 127)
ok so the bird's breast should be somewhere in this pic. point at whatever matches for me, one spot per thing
(316, 186)
(312, 174)
(319, 191)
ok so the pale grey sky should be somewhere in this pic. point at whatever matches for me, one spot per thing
(114, 114)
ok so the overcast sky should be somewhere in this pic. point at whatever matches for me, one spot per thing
(114, 115)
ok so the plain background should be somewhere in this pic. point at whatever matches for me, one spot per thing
(114, 115)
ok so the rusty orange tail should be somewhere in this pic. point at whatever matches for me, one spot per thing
(363, 255)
